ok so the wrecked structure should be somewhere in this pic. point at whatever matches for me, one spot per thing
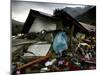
(54, 43)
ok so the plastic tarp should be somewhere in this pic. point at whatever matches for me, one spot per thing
(60, 42)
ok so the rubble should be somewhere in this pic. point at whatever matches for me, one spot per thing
(56, 50)
(82, 54)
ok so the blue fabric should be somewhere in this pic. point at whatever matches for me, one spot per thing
(60, 42)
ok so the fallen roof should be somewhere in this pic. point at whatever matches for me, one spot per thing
(90, 28)
(65, 15)
(39, 13)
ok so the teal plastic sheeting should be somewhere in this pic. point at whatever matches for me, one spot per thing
(60, 42)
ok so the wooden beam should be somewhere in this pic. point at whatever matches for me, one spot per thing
(35, 61)
(71, 35)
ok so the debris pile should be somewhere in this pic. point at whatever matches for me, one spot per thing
(32, 53)
(60, 44)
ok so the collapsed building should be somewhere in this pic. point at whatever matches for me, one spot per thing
(38, 21)
(47, 27)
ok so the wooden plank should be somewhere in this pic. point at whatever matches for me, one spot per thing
(71, 35)
(35, 61)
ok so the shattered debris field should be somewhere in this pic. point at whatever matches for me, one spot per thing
(54, 43)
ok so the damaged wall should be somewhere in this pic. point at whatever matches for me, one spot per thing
(41, 23)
